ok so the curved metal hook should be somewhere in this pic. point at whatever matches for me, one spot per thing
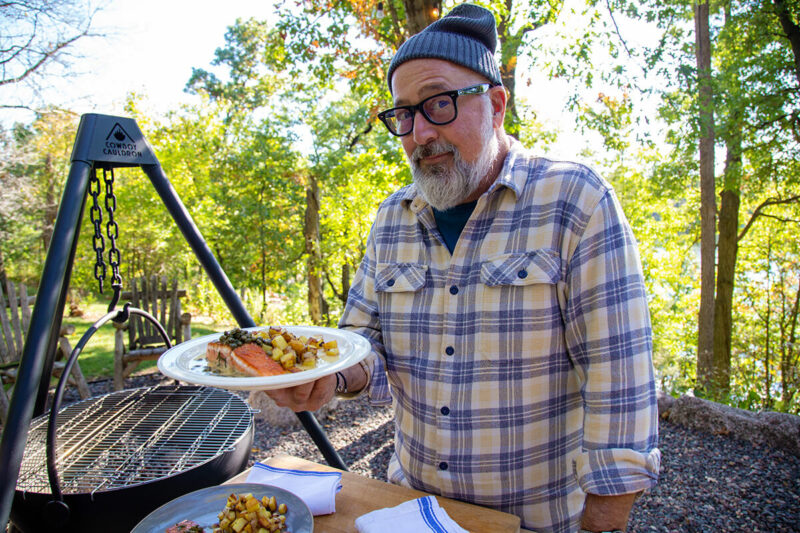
(52, 473)
(114, 297)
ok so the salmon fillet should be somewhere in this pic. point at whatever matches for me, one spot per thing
(250, 359)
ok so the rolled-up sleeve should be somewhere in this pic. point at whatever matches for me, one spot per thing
(609, 339)
(361, 316)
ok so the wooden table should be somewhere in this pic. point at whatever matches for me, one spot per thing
(360, 495)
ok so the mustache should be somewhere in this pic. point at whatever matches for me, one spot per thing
(431, 149)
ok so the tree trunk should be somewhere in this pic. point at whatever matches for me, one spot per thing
(792, 32)
(50, 204)
(765, 404)
(420, 13)
(727, 251)
(790, 355)
(723, 305)
(313, 251)
(3, 277)
(705, 330)
(508, 74)
(509, 46)
(345, 281)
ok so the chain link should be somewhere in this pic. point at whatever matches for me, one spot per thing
(112, 229)
(98, 243)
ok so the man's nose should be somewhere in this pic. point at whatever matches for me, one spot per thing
(424, 132)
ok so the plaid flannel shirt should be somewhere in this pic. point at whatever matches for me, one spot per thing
(519, 366)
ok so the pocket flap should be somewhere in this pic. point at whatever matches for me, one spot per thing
(537, 266)
(400, 277)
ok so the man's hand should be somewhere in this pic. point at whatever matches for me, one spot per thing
(305, 397)
(604, 513)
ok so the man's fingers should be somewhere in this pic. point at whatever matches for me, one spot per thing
(305, 397)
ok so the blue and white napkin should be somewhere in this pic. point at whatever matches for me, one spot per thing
(317, 489)
(420, 515)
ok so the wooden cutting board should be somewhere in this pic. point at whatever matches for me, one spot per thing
(360, 495)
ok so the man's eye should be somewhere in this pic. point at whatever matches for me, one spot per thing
(402, 114)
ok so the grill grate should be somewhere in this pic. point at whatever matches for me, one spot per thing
(134, 436)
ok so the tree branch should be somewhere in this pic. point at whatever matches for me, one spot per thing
(616, 29)
(47, 56)
(6, 106)
(357, 136)
(336, 293)
(759, 212)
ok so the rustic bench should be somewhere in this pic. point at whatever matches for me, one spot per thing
(162, 300)
(15, 315)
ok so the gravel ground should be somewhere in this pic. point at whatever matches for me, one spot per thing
(707, 483)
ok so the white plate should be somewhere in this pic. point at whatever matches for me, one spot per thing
(187, 361)
(202, 506)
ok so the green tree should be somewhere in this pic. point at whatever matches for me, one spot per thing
(35, 161)
(746, 81)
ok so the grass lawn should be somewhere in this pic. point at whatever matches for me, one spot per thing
(97, 358)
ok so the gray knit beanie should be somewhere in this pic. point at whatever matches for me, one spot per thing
(467, 36)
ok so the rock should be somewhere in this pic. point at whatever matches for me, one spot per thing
(767, 428)
(283, 416)
(665, 403)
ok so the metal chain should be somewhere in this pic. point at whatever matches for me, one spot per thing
(112, 229)
(98, 243)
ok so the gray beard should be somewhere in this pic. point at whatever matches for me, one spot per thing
(444, 187)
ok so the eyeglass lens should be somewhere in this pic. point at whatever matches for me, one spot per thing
(439, 109)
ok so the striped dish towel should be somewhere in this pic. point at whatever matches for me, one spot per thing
(420, 515)
(317, 489)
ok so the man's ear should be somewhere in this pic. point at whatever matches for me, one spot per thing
(498, 97)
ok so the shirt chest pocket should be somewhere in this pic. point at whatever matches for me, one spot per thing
(522, 269)
(521, 292)
(399, 277)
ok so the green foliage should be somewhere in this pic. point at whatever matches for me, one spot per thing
(34, 159)
(287, 109)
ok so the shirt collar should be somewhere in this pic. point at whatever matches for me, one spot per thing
(515, 181)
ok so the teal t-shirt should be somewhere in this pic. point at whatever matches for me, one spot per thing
(452, 221)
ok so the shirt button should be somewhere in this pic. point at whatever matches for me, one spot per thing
(449, 350)
(443, 465)
(445, 410)
(522, 274)
(453, 289)
(390, 283)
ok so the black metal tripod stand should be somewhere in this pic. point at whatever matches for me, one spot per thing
(102, 141)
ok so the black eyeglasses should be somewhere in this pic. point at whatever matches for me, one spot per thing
(439, 109)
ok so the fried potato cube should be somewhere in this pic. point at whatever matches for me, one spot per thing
(280, 342)
(277, 353)
(287, 360)
(330, 345)
(251, 504)
(297, 346)
(239, 524)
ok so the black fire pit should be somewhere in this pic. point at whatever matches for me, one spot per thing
(122, 455)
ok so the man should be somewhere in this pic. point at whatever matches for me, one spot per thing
(503, 297)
